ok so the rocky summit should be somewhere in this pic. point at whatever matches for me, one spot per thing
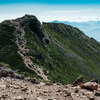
(52, 52)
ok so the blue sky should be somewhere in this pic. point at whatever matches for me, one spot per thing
(52, 1)
(48, 10)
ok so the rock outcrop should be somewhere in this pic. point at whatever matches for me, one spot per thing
(78, 81)
(33, 23)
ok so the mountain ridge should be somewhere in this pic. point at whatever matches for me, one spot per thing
(62, 52)
(87, 27)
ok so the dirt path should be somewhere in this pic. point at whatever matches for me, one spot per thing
(21, 43)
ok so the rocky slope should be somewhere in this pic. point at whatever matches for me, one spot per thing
(48, 51)
(21, 89)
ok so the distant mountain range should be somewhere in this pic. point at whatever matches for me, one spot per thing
(90, 28)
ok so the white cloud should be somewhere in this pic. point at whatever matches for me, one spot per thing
(98, 10)
(72, 11)
(66, 11)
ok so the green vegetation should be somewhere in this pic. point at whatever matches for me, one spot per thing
(2, 64)
(8, 51)
(51, 59)
(65, 52)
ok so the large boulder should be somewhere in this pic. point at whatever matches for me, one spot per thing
(90, 86)
(78, 81)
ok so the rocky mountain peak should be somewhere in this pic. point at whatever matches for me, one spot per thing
(26, 17)
(27, 20)
(29, 16)
(31, 22)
